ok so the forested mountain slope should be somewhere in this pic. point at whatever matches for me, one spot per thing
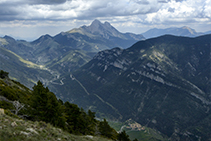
(163, 83)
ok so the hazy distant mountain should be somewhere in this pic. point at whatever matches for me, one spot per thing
(208, 32)
(163, 83)
(183, 31)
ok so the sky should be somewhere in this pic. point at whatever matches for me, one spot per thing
(29, 19)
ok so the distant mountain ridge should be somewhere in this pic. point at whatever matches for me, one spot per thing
(182, 31)
(66, 51)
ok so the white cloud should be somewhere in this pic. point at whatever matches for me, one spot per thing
(123, 14)
(184, 11)
(89, 9)
(23, 9)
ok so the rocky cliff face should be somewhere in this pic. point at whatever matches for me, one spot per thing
(163, 83)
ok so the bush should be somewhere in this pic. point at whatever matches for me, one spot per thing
(6, 105)
(3, 74)
(9, 113)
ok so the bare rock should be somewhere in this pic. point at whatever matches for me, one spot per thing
(1, 111)
(32, 130)
(13, 124)
(24, 133)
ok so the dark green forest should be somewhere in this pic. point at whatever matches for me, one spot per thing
(40, 104)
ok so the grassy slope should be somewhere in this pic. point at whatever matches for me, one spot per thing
(14, 129)
(22, 70)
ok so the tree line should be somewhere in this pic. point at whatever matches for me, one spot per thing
(46, 107)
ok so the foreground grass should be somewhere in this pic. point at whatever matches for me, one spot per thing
(15, 129)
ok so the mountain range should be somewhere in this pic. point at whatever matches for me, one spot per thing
(182, 31)
(61, 54)
(162, 82)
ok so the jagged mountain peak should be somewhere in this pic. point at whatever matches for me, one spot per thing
(42, 38)
(192, 31)
(104, 29)
(102, 32)
(6, 37)
(107, 23)
(186, 27)
(96, 22)
(46, 36)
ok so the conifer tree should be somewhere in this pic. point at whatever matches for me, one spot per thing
(46, 107)
(123, 136)
(91, 122)
(53, 111)
(3, 74)
(39, 101)
(72, 115)
(106, 130)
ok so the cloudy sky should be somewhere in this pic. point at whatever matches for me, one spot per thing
(29, 19)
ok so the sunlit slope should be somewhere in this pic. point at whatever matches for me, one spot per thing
(25, 71)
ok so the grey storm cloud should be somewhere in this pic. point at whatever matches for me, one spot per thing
(25, 9)
(70, 9)
(141, 1)
(150, 11)
(47, 1)
(7, 12)
(163, 1)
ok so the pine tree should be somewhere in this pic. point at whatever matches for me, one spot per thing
(53, 111)
(123, 136)
(106, 130)
(39, 101)
(46, 107)
(3, 74)
(91, 122)
(72, 115)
